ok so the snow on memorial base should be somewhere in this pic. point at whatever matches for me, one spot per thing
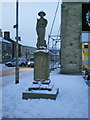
(46, 91)
(41, 87)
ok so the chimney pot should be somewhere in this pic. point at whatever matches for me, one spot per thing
(6, 35)
(1, 32)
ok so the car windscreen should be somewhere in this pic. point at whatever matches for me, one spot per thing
(13, 60)
(32, 59)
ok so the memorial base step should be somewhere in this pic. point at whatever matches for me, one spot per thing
(42, 92)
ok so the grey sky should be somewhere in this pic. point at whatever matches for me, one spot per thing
(27, 19)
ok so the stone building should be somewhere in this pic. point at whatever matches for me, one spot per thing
(13, 41)
(6, 50)
(27, 51)
(71, 27)
(0, 46)
(0, 50)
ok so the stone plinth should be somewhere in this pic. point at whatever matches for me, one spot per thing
(41, 65)
(41, 87)
(42, 91)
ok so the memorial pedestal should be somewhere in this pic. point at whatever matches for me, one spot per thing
(41, 65)
(41, 87)
(42, 91)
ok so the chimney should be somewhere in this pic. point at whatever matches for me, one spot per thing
(7, 35)
(1, 32)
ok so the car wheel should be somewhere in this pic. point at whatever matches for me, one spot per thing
(22, 64)
(9, 65)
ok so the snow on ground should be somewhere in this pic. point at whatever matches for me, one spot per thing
(4, 67)
(71, 102)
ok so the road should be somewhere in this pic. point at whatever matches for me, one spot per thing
(12, 71)
(7, 76)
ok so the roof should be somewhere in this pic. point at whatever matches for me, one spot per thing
(14, 40)
(19, 42)
(3, 40)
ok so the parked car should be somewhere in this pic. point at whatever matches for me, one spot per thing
(21, 61)
(30, 62)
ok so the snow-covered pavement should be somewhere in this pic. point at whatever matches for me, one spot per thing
(4, 67)
(71, 102)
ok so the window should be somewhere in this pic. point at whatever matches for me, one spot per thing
(31, 59)
(85, 46)
(5, 47)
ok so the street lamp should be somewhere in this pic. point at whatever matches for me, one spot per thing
(17, 50)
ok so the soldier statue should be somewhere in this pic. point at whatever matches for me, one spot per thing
(40, 29)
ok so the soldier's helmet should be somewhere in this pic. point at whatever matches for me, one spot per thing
(41, 13)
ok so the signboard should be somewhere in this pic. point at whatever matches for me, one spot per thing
(85, 37)
(86, 17)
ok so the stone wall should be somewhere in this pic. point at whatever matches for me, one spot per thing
(71, 27)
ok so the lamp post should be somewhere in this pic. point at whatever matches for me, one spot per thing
(17, 49)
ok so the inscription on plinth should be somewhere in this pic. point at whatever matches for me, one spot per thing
(41, 66)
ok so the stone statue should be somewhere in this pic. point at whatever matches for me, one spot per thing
(40, 29)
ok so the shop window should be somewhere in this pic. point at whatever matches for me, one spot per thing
(85, 46)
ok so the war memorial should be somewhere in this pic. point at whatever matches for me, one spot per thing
(42, 86)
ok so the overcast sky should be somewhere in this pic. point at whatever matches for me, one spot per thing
(28, 14)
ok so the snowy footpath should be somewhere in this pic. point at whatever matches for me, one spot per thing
(71, 102)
